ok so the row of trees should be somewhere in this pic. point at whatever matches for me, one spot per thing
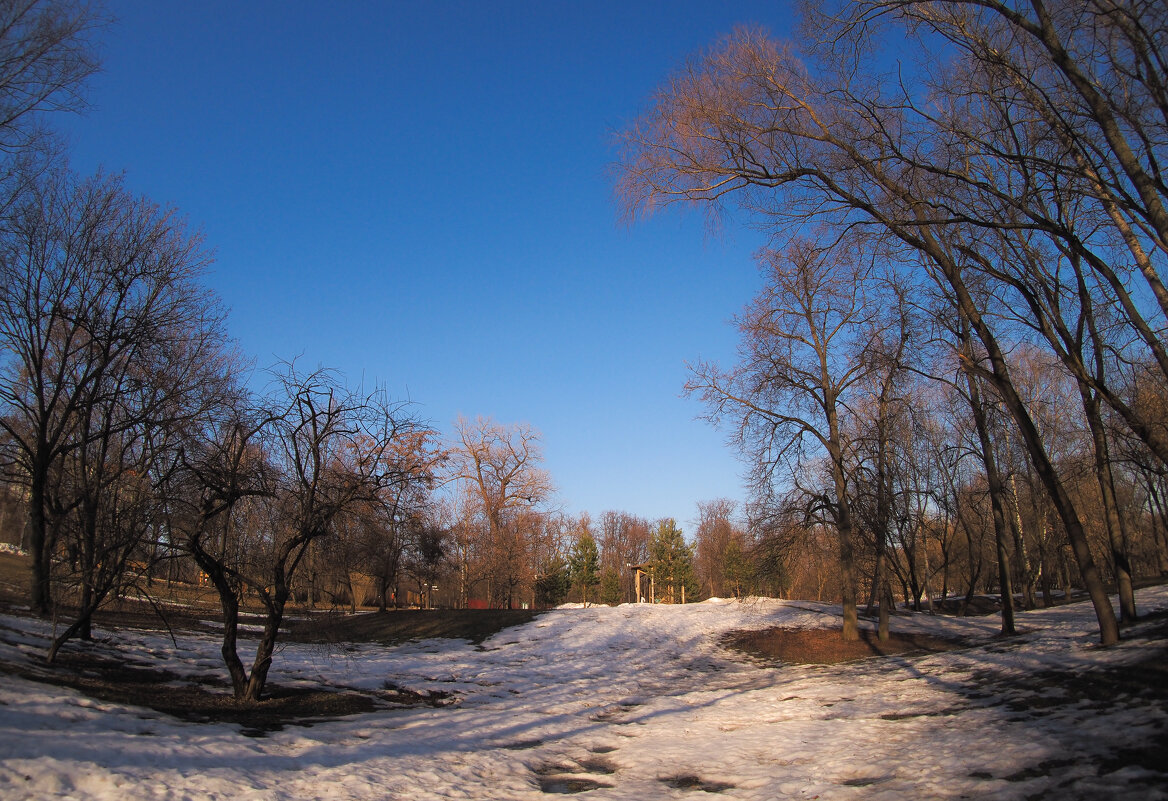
(992, 206)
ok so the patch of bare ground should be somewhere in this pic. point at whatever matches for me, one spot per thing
(203, 702)
(404, 625)
(688, 781)
(827, 646)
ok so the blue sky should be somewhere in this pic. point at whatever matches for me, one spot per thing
(416, 194)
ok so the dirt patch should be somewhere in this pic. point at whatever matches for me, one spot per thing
(404, 625)
(209, 699)
(204, 702)
(827, 646)
(688, 781)
(569, 785)
(279, 707)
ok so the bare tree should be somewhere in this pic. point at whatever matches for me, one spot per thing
(46, 55)
(857, 150)
(311, 455)
(719, 548)
(424, 553)
(225, 465)
(624, 542)
(500, 467)
(131, 434)
(107, 336)
(45, 58)
(802, 340)
(375, 538)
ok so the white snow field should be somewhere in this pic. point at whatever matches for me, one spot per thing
(631, 703)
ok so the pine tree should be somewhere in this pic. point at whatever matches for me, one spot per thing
(584, 563)
(737, 567)
(671, 558)
(610, 587)
(553, 583)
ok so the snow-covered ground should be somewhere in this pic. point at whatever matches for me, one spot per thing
(633, 702)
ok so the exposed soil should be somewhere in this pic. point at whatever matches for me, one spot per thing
(140, 685)
(403, 625)
(827, 646)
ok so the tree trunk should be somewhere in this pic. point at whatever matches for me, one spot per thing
(40, 596)
(229, 603)
(1116, 533)
(843, 521)
(881, 592)
(1021, 556)
(886, 603)
(1047, 589)
(928, 574)
(994, 483)
(61, 639)
(263, 659)
(89, 569)
(1000, 376)
(1159, 525)
(382, 591)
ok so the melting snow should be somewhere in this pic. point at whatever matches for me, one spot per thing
(632, 702)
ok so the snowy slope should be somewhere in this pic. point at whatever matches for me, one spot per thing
(633, 702)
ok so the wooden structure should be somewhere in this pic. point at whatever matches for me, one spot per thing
(644, 569)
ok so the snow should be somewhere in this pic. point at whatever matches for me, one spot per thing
(632, 702)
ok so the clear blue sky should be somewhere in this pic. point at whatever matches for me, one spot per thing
(416, 194)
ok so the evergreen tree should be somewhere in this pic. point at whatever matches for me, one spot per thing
(737, 567)
(671, 558)
(553, 583)
(584, 563)
(610, 587)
